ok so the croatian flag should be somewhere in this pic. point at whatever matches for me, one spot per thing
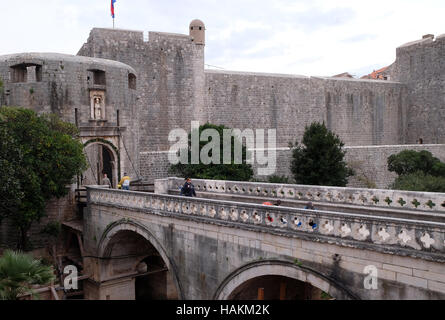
(112, 8)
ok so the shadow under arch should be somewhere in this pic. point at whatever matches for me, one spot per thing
(129, 225)
(281, 268)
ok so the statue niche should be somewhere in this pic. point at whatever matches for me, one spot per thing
(97, 99)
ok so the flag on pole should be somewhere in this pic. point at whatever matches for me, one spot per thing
(112, 8)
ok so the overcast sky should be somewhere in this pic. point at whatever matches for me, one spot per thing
(321, 37)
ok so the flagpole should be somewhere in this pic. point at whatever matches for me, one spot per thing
(112, 10)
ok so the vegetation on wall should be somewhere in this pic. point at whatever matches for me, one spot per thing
(417, 171)
(39, 157)
(221, 171)
(1, 92)
(366, 179)
(319, 160)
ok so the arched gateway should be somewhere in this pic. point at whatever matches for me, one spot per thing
(128, 252)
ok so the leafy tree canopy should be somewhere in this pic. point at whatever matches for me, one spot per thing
(410, 161)
(319, 160)
(419, 181)
(418, 171)
(221, 171)
(39, 156)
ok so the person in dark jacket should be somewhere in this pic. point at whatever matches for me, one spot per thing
(309, 206)
(188, 189)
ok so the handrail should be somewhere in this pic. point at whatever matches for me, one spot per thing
(356, 229)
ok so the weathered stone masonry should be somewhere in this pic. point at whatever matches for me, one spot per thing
(126, 94)
(210, 246)
(170, 87)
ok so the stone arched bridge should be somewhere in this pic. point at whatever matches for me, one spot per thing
(357, 244)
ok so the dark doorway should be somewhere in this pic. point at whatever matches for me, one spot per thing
(101, 160)
(107, 160)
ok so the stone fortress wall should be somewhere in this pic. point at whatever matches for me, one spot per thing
(369, 163)
(170, 88)
(420, 65)
(362, 112)
(66, 85)
(149, 87)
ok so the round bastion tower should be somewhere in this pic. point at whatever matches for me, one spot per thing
(197, 32)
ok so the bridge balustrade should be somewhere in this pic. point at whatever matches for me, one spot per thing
(410, 237)
(380, 198)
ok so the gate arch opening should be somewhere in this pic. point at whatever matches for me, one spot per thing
(129, 251)
(101, 159)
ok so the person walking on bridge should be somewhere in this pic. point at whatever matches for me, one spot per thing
(188, 189)
(106, 181)
(125, 182)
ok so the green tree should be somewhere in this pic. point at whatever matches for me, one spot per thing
(419, 181)
(221, 171)
(410, 161)
(19, 272)
(319, 160)
(417, 171)
(40, 155)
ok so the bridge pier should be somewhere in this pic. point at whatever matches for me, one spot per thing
(119, 289)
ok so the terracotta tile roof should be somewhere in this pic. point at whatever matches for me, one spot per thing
(376, 74)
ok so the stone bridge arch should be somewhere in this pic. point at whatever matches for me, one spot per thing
(104, 249)
(285, 269)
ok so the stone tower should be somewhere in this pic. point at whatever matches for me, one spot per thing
(197, 32)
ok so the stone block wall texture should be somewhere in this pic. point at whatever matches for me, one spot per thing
(369, 162)
(59, 210)
(421, 66)
(372, 166)
(170, 69)
(65, 86)
(174, 89)
(361, 112)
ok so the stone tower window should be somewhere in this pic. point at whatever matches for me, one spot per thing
(98, 77)
(26, 72)
(131, 81)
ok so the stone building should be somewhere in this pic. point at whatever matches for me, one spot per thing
(126, 94)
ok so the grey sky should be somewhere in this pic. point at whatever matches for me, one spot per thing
(321, 37)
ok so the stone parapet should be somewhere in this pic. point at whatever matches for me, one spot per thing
(379, 198)
(405, 237)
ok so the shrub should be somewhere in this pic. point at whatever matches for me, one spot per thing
(221, 171)
(320, 158)
(410, 161)
(419, 181)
